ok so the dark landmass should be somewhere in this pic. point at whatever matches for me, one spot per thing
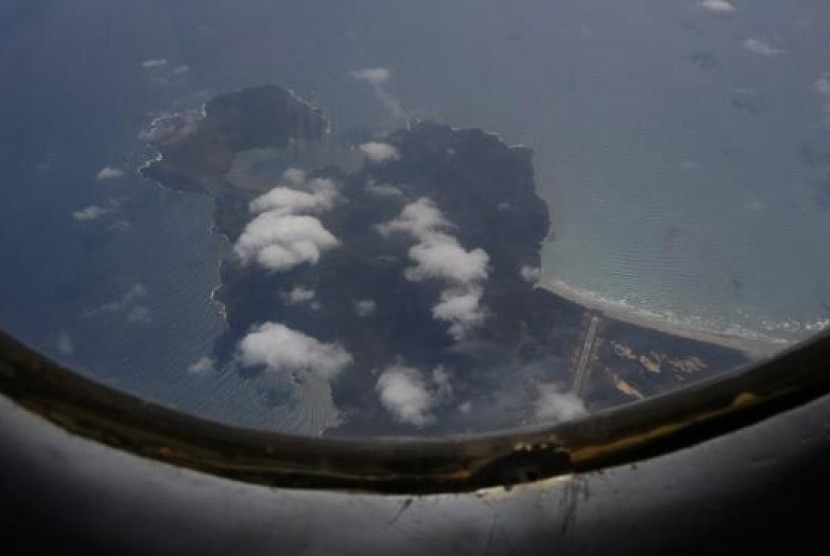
(195, 151)
(632, 362)
(486, 190)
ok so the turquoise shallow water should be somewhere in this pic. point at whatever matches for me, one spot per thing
(675, 202)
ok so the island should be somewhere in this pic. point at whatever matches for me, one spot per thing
(392, 285)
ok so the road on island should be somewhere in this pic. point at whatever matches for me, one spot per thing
(584, 358)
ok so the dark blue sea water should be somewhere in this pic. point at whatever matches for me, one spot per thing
(683, 152)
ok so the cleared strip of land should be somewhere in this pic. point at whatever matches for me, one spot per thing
(584, 359)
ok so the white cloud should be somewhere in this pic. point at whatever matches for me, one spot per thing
(281, 242)
(754, 205)
(154, 63)
(121, 226)
(130, 305)
(554, 405)
(134, 294)
(439, 256)
(282, 350)
(531, 274)
(298, 294)
(410, 396)
(718, 6)
(379, 152)
(441, 382)
(378, 78)
(285, 200)
(161, 72)
(384, 190)
(822, 84)
(282, 236)
(760, 47)
(373, 76)
(418, 219)
(365, 307)
(136, 291)
(92, 212)
(203, 365)
(294, 176)
(109, 173)
(462, 309)
(65, 345)
(139, 315)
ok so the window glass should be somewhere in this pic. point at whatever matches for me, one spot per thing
(396, 218)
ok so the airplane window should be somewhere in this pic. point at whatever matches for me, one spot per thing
(368, 219)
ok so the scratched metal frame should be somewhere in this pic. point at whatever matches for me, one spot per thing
(416, 466)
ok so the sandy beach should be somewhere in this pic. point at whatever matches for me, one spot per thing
(755, 348)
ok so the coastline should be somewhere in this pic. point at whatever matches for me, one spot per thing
(754, 348)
